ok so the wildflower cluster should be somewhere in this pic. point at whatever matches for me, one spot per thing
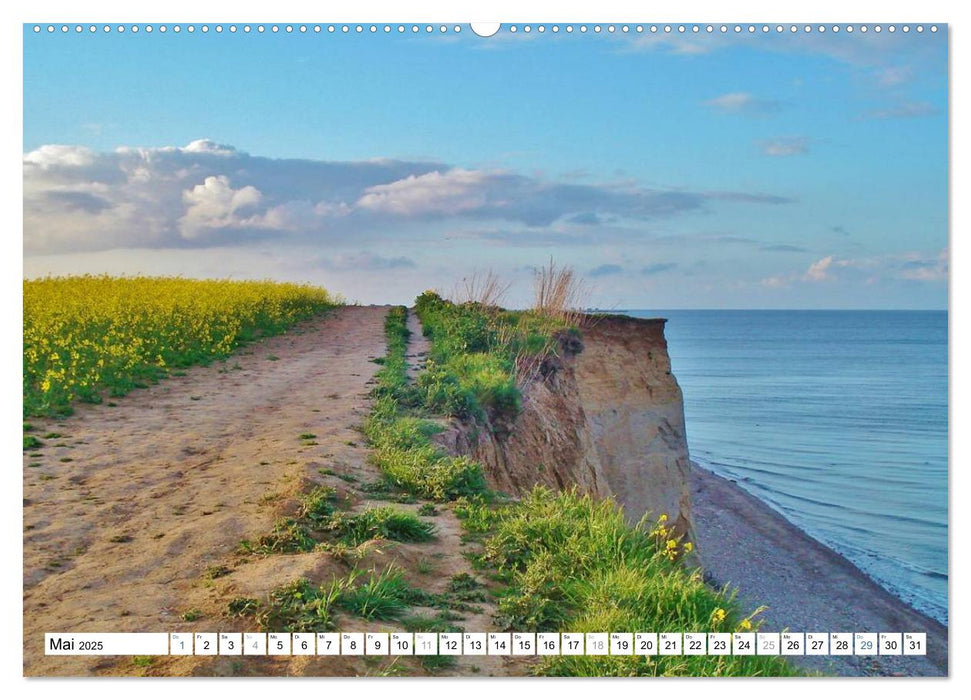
(669, 544)
(85, 335)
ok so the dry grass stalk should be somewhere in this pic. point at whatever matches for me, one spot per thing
(559, 293)
(482, 288)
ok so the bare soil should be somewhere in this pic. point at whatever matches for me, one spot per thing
(135, 502)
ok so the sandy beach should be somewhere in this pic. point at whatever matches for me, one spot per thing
(805, 585)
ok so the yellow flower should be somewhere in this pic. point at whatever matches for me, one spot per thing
(719, 616)
(688, 547)
(745, 625)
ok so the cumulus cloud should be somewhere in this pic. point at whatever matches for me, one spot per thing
(77, 199)
(216, 205)
(207, 146)
(742, 103)
(207, 193)
(57, 155)
(454, 192)
(786, 146)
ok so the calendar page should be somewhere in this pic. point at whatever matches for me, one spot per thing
(448, 349)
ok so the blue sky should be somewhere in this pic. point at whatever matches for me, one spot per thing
(766, 171)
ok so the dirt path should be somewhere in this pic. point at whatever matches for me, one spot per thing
(418, 347)
(133, 513)
(126, 506)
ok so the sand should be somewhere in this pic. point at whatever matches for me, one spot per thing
(807, 586)
(126, 510)
(168, 481)
(131, 507)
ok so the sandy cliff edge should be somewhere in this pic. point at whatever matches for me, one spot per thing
(604, 414)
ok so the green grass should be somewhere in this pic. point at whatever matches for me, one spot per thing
(476, 349)
(401, 443)
(243, 607)
(319, 525)
(317, 505)
(301, 606)
(31, 442)
(465, 587)
(383, 596)
(297, 533)
(383, 522)
(572, 563)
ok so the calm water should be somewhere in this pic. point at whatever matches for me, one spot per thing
(838, 419)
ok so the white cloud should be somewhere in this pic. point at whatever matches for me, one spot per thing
(55, 155)
(207, 146)
(819, 270)
(742, 103)
(208, 194)
(216, 205)
(903, 110)
(924, 270)
(914, 266)
(777, 281)
(454, 192)
(883, 58)
(786, 146)
(891, 76)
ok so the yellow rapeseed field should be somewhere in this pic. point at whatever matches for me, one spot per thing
(86, 336)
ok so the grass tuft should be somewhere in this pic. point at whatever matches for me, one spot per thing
(383, 596)
(384, 522)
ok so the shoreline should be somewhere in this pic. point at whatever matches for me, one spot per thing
(805, 585)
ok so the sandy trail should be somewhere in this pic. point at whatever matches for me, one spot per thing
(128, 505)
(418, 347)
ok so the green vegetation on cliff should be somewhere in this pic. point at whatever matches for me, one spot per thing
(573, 564)
(567, 561)
(403, 449)
(479, 355)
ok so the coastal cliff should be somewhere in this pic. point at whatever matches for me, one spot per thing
(603, 413)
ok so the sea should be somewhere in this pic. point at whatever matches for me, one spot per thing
(836, 419)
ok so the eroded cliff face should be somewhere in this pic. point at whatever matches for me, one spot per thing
(605, 414)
